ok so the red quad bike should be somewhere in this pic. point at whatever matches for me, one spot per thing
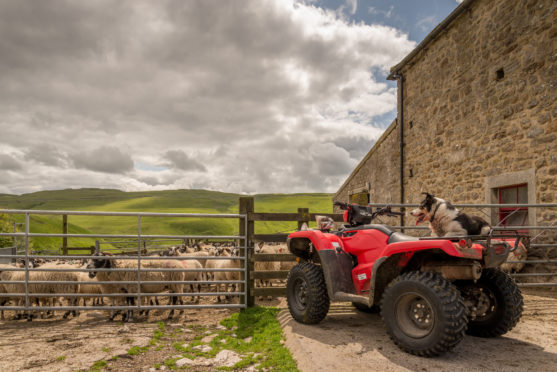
(430, 291)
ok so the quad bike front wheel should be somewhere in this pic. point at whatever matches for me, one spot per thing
(306, 293)
(424, 313)
(497, 304)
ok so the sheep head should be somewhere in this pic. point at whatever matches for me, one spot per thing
(99, 263)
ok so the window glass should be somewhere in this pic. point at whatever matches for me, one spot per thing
(508, 195)
(510, 216)
(514, 219)
(523, 194)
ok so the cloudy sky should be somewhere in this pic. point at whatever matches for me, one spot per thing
(247, 96)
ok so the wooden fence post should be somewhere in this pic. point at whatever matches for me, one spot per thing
(246, 207)
(304, 216)
(65, 231)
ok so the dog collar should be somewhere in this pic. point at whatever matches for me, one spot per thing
(435, 211)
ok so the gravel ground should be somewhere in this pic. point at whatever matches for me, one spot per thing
(346, 339)
(76, 344)
(351, 340)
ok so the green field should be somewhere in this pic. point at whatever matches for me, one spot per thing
(171, 201)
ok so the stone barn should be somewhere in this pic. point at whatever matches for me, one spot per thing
(477, 117)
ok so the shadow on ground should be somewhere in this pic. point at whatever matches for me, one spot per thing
(348, 338)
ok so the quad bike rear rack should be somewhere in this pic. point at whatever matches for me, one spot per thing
(493, 257)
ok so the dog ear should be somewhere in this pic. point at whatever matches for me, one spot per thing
(428, 196)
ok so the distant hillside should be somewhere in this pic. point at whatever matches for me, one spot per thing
(170, 201)
(87, 199)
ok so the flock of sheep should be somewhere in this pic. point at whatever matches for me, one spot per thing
(115, 278)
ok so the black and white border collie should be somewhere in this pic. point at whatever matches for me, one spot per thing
(445, 220)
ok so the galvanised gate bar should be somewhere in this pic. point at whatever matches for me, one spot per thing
(138, 283)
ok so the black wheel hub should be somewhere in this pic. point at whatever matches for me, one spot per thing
(414, 315)
(481, 302)
(486, 303)
(300, 291)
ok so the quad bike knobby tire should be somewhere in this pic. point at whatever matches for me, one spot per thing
(366, 309)
(424, 313)
(306, 293)
(499, 304)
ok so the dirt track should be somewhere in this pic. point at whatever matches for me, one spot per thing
(75, 344)
(345, 340)
(349, 340)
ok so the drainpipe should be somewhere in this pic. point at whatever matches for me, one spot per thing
(400, 80)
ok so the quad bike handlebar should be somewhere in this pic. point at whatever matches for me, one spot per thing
(380, 211)
(357, 215)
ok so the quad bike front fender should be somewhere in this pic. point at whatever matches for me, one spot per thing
(299, 242)
(336, 263)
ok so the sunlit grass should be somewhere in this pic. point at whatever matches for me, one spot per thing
(171, 201)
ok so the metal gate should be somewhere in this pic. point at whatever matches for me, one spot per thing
(27, 291)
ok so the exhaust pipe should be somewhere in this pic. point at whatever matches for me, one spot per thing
(471, 271)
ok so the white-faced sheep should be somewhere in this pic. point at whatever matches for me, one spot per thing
(198, 263)
(266, 265)
(226, 275)
(3, 299)
(193, 275)
(45, 288)
(170, 277)
(94, 289)
(213, 264)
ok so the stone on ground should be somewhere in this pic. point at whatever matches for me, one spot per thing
(226, 358)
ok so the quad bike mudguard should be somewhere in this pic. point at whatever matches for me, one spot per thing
(336, 263)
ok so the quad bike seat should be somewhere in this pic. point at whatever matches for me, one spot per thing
(394, 237)
(384, 229)
(397, 237)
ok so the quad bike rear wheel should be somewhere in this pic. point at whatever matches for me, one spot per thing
(424, 313)
(306, 293)
(497, 303)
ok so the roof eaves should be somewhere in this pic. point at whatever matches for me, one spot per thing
(381, 139)
(430, 37)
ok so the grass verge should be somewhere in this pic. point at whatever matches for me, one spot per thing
(253, 334)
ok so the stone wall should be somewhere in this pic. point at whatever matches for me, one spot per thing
(480, 102)
(379, 172)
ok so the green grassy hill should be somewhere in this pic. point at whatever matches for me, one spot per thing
(171, 201)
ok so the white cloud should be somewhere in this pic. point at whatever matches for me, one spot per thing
(273, 96)
(353, 6)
